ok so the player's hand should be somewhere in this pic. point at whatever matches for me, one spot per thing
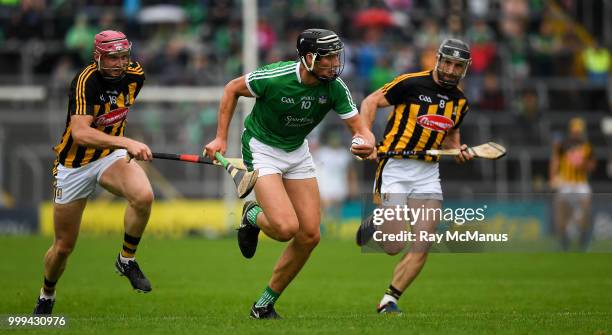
(216, 145)
(464, 155)
(373, 156)
(138, 150)
(361, 147)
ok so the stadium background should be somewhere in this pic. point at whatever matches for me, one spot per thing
(529, 76)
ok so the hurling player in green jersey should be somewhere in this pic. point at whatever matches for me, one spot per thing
(292, 98)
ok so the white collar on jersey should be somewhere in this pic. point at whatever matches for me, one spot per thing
(297, 72)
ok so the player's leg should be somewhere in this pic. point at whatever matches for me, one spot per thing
(562, 215)
(390, 190)
(72, 186)
(300, 195)
(393, 227)
(304, 195)
(273, 213)
(584, 221)
(413, 262)
(130, 181)
(67, 220)
(66, 223)
(278, 219)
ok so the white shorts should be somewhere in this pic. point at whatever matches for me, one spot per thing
(572, 192)
(77, 183)
(296, 164)
(403, 179)
(574, 188)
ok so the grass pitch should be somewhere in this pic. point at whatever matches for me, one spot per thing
(206, 287)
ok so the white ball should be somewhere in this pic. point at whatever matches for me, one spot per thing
(358, 141)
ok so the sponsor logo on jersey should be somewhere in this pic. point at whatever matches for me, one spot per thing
(425, 98)
(293, 121)
(441, 96)
(322, 99)
(287, 100)
(112, 117)
(435, 122)
(308, 98)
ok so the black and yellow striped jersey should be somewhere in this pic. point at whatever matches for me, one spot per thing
(108, 102)
(573, 161)
(423, 113)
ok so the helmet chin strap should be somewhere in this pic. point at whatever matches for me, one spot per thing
(311, 68)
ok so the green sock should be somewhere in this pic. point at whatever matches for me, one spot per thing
(267, 297)
(252, 215)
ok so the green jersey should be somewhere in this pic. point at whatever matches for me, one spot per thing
(286, 110)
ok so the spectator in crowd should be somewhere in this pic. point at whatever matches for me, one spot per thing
(28, 22)
(429, 34)
(79, 37)
(381, 74)
(544, 45)
(335, 175)
(492, 97)
(479, 8)
(484, 51)
(515, 39)
(596, 60)
(454, 27)
(367, 53)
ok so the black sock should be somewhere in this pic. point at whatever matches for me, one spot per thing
(130, 243)
(49, 286)
(392, 291)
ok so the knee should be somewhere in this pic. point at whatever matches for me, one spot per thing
(309, 239)
(142, 200)
(63, 249)
(393, 248)
(283, 229)
(286, 231)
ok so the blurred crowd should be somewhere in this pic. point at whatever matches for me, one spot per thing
(529, 57)
(198, 42)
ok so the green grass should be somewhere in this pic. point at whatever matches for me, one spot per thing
(202, 286)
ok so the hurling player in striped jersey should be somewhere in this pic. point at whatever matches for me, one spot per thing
(428, 108)
(92, 151)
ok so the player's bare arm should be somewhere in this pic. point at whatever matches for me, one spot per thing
(358, 128)
(232, 91)
(83, 134)
(453, 141)
(370, 105)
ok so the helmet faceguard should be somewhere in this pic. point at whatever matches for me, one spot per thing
(111, 43)
(321, 43)
(456, 51)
